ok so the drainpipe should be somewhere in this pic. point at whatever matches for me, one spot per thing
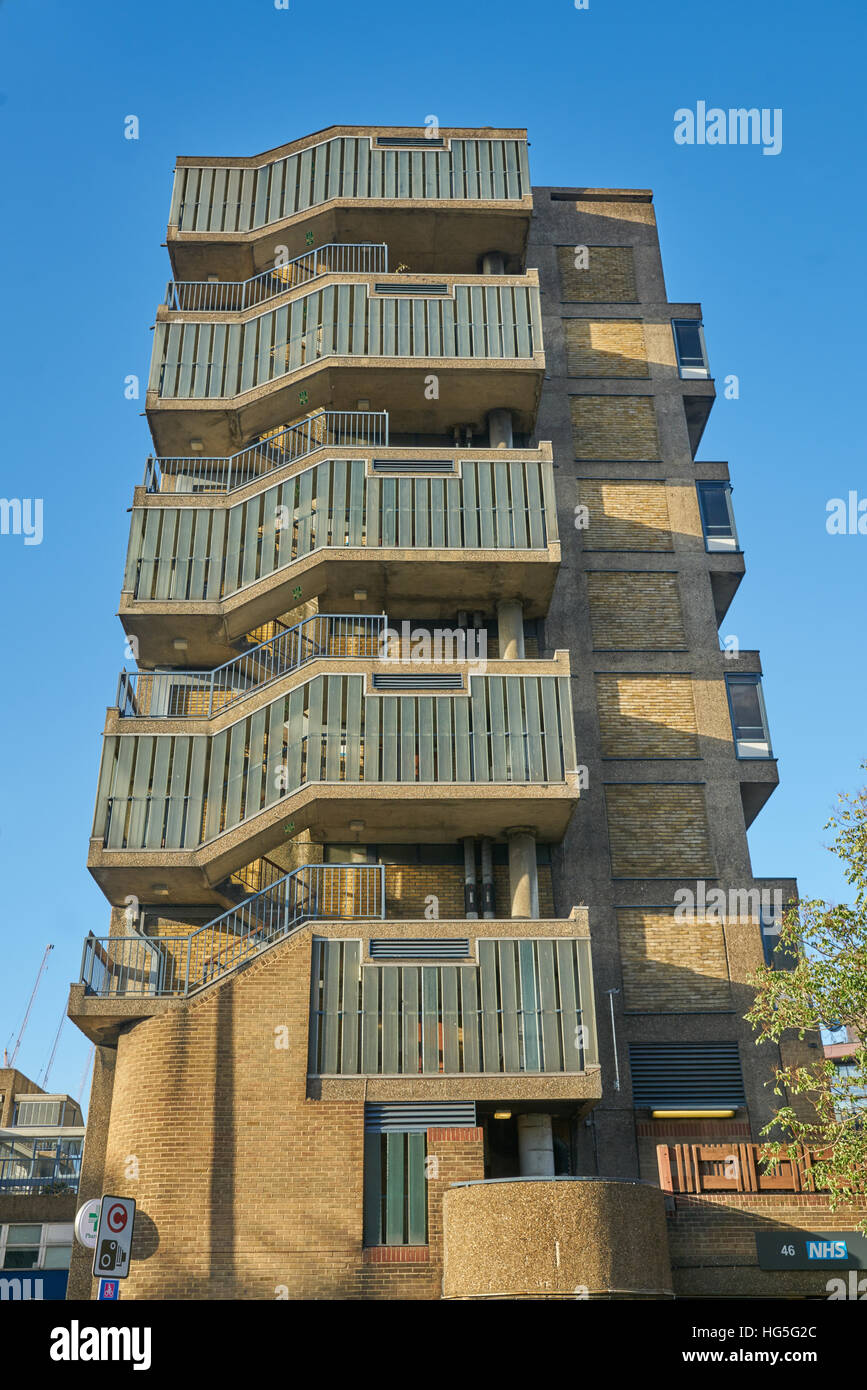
(471, 892)
(523, 873)
(488, 902)
(510, 629)
(535, 1146)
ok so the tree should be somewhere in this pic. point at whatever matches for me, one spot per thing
(827, 985)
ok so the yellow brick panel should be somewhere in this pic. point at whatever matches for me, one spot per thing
(625, 516)
(658, 832)
(624, 211)
(614, 427)
(635, 612)
(609, 347)
(608, 279)
(646, 716)
(672, 966)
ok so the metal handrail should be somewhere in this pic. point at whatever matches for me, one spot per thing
(201, 694)
(340, 428)
(336, 257)
(176, 966)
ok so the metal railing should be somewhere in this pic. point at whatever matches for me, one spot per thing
(339, 428)
(201, 694)
(338, 258)
(160, 966)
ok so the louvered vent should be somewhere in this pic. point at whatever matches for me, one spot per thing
(410, 682)
(686, 1076)
(400, 142)
(422, 291)
(413, 466)
(392, 1116)
(419, 948)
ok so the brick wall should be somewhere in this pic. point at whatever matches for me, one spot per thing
(247, 1189)
(608, 279)
(713, 1247)
(605, 347)
(670, 965)
(635, 612)
(646, 716)
(408, 885)
(658, 832)
(625, 516)
(614, 427)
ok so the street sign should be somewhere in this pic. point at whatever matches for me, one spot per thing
(87, 1223)
(789, 1249)
(108, 1288)
(114, 1238)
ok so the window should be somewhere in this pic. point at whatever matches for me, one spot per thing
(36, 1246)
(690, 348)
(849, 1098)
(749, 718)
(47, 1110)
(717, 516)
(395, 1188)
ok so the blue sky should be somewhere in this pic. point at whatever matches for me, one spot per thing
(771, 246)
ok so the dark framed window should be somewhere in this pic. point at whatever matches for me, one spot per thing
(717, 516)
(395, 1188)
(690, 348)
(749, 717)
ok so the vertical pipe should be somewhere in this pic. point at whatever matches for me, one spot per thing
(471, 904)
(488, 899)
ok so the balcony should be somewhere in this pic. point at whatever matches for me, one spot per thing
(232, 296)
(225, 378)
(446, 197)
(407, 764)
(517, 1004)
(346, 521)
(202, 694)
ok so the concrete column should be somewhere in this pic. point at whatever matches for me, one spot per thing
(493, 263)
(510, 629)
(500, 429)
(488, 902)
(523, 874)
(535, 1146)
(471, 892)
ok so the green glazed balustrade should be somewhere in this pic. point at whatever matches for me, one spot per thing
(212, 552)
(195, 361)
(527, 1006)
(235, 199)
(177, 791)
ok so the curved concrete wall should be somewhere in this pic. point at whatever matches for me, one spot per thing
(555, 1238)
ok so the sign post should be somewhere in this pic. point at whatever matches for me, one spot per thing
(113, 1240)
(87, 1223)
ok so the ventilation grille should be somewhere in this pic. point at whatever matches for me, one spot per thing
(396, 1117)
(686, 1076)
(400, 142)
(419, 291)
(419, 948)
(413, 466)
(409, 682)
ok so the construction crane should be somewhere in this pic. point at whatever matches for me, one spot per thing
(50, 1063)
(11, 1060)
(87, 1066)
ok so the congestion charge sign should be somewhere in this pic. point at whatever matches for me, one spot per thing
(812, 1250)
(114, 1238)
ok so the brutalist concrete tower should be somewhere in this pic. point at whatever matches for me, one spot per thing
(424, 588)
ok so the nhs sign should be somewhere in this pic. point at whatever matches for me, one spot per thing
(827, 1250)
